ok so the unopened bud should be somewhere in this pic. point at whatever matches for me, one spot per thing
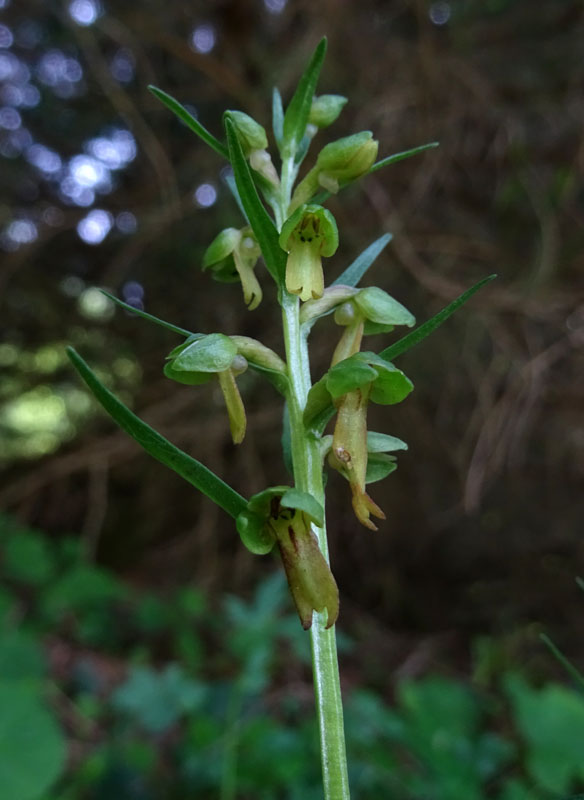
(325, 109)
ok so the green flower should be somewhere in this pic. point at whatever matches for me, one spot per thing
(325, 109)
(350, 385)
(232, 256)
(310, 233)
(284, 515)
(202, 358)
(253, 140)
(337, 163)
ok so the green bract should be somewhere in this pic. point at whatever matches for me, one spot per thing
(310, 233)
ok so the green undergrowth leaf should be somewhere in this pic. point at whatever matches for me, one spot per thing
(260, 221)
(411, 339)
(551, 722)
(160, 448)
(357, 269)
(144, 315)
(296, 116)
(190, 121)
(157, 700)
(32, 748)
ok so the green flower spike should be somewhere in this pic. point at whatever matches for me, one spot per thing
(350, 385)
(199, 360)
(232, 256)
(310, 233)
(337, 163)
(284, 515)
(253, 140)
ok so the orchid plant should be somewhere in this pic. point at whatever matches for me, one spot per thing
(293, 240)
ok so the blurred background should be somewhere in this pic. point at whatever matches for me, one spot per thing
(103, 187)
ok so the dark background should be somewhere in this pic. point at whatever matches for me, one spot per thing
(484, 529)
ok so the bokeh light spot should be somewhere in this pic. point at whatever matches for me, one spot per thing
(84, 12)
(205, 195)
(93, 228)
(203, 38)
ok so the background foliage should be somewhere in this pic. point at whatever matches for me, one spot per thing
(103, 187)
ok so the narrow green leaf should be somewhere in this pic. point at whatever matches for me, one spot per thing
(385, 162)
(184, 465)
(355, 271)
(296, 116)
(277, 116)
(190, 121)
(232, 186)
(411, 339)
(259, 219)
(574, 673)
(150, 317)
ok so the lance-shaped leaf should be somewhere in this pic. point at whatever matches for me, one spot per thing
(190, 121)
(393, 159)
(144, 315)
(160, 448)
(406, 342)
(259, 219)
(297, 113)
(357, 269)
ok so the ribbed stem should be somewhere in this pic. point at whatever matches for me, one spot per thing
(307, 465)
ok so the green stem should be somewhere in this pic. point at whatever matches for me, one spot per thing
(307, 465)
